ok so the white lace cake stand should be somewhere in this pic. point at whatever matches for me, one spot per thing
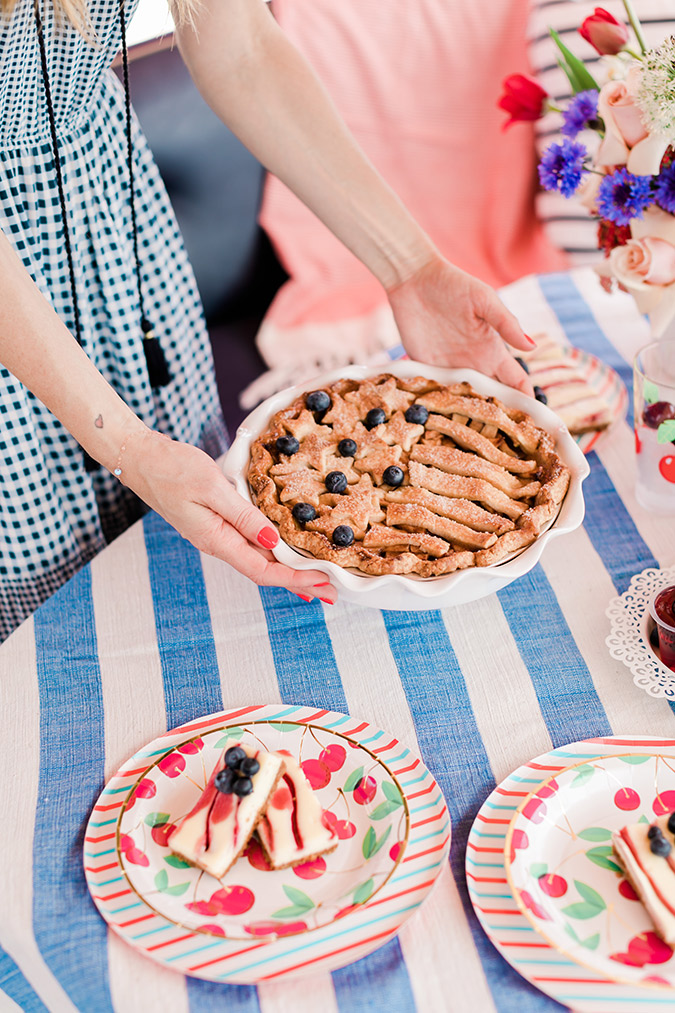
(631, 626)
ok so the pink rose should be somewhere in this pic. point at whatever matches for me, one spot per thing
(646, 268)
(627, 141)
(617, 99)
(650, 261)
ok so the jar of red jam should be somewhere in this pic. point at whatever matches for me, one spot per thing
(662, 611)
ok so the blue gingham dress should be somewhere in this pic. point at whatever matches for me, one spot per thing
(54, 516)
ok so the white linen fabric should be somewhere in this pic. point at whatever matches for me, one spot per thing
(53, 515)
(567, 222)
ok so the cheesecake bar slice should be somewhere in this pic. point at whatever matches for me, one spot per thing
(216, 831)
(645, 851)
(292, 829)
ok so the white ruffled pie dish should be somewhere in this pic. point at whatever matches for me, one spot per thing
(409, 592)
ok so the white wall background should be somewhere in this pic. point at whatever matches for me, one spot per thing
(151, 19)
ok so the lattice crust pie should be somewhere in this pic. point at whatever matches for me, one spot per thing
(393, 475)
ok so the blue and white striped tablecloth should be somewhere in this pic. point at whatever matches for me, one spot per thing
(150, 635)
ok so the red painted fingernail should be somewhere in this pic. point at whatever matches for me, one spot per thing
(533, 343)
(268, 538)
(327, 601)
(304, 598)
(326, 583)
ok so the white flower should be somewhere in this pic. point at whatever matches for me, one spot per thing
(616, 67)
(656, 96)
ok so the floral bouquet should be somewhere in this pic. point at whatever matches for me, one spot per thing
(617, 154)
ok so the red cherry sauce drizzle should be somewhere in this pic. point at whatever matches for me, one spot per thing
(207, 798)
(631, 847)
(294, 815)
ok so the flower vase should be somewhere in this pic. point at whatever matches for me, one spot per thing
(667, 334)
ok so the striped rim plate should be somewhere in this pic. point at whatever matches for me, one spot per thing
(386, 809)
(604, 381)
(608, 385)
(545, 966)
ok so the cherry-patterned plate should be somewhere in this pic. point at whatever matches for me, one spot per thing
(255, 923)
(545, 883)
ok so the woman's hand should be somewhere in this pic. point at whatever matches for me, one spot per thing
(189, 490)
(448, 318)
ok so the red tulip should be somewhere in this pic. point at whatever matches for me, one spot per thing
(607, 35)
(523, 99)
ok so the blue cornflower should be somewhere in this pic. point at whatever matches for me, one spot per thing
(582, 109)
(665, 188)
(562, 166)
(623, 196)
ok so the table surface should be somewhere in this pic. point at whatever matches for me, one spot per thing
(150, 635)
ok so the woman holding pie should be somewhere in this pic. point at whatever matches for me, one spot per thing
(87, 274)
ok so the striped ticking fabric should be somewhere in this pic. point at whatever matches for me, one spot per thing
(53, 515)
(150, 635)
(568, 223)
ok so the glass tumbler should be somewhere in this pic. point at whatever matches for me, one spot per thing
(654, 419)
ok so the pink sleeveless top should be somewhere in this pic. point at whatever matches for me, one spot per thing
(417, 82)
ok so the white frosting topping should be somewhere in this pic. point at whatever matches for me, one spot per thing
(292, 827)
(651, 875)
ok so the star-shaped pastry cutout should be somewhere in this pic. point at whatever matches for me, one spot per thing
(380, 395)
(315, 451)
(342, 416)
(375, 457)
(359, 508)
(398, 431)
(300, 487)
(304, 425)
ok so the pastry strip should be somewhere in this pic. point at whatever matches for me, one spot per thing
(461, 510)
(379, 536)
(457, 462)
(471, 440)
(456, 534)
(524, 433)
(466, 488)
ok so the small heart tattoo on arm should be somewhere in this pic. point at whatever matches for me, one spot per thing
(99, 422)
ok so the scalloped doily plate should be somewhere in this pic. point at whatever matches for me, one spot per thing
(631, 625)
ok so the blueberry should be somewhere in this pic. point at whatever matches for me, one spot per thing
(660, 846)
(393, 475)
(242, 786)
(347, 448)
(224, 780)
(336, 481)
(654, 831)
(522, 364)
(671, 823)
(416, 414)
(343, 536)
(249, 766)
(287, 445)
(540, 396)
(234, 756)
(374, 418)
(318, 401)
(303, 513)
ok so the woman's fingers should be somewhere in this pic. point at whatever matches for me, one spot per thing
(242, 524)
(260, 567)
(506, 324)
(243, 516)
(508, 371)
